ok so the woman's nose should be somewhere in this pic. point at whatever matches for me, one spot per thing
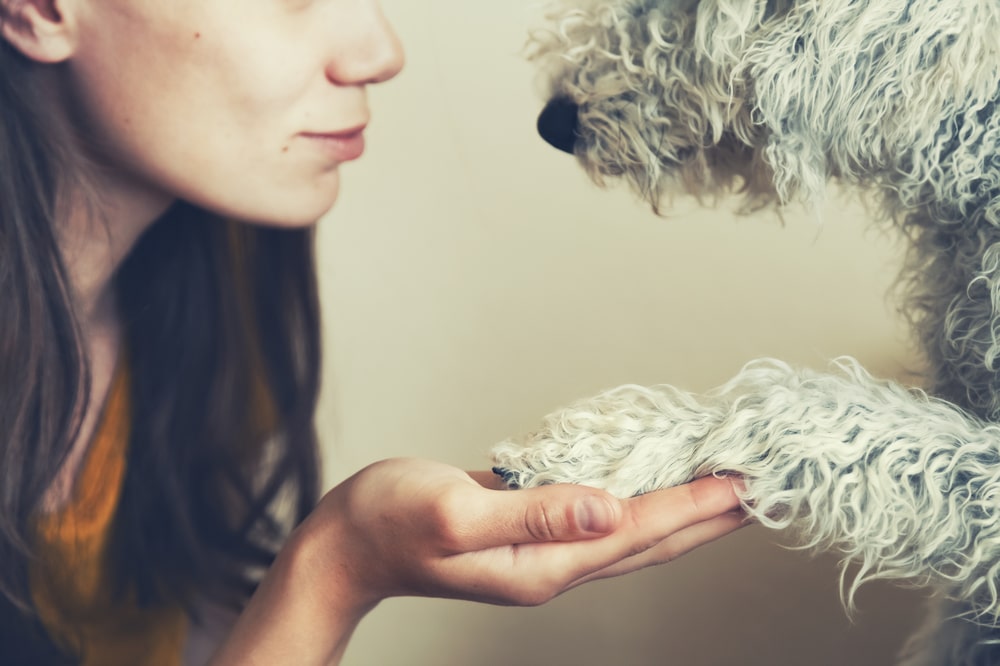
(371, 54)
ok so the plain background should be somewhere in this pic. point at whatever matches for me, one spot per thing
(473, 280)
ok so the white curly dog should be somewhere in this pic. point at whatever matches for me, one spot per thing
(771, 99)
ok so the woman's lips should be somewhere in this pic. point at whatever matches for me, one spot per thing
(340, 146)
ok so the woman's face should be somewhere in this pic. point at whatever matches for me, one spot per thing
(244, 107)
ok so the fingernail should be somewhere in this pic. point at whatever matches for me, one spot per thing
(595, 514)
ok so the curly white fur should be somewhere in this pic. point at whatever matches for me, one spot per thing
(771, 99)
(903, 484)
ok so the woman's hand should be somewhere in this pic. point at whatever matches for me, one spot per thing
(414, 527)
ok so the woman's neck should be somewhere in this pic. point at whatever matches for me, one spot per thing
(93, 247)
(96, 239)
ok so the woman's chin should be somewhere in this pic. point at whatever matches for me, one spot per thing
(296, 210)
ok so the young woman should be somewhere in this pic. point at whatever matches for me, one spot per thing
(161, 166)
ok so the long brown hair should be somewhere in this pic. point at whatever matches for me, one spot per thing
(221, 322)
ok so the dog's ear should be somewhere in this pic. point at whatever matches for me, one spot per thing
(42, 30)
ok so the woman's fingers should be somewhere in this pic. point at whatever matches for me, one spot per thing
(559, 513)
(674, 546)
(662, 520)
(535, 558)
(667, 511)
(669, 523)
(565, 513)
(568, 513)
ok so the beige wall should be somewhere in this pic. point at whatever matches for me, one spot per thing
(474, 280)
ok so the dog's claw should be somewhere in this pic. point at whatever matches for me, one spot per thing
(506, 475)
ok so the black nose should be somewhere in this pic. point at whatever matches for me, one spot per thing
(558, 123)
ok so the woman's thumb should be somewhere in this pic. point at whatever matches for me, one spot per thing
(554, 513)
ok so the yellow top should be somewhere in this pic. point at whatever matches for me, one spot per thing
(71, 584)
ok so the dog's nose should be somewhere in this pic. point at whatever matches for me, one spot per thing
(558, 123)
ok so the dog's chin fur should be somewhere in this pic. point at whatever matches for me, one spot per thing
(770, 100)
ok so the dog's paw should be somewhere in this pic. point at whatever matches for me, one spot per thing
(628, 441)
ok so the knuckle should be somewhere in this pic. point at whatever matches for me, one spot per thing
(693, 500)
(641, 547)
(445, 520)
(542, 522)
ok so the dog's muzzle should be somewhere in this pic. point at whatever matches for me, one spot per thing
(558, 124)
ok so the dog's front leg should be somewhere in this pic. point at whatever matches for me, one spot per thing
(905, 485)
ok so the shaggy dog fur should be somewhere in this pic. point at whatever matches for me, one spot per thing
(771, 99)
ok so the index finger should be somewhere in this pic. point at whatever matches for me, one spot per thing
(664, 512)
